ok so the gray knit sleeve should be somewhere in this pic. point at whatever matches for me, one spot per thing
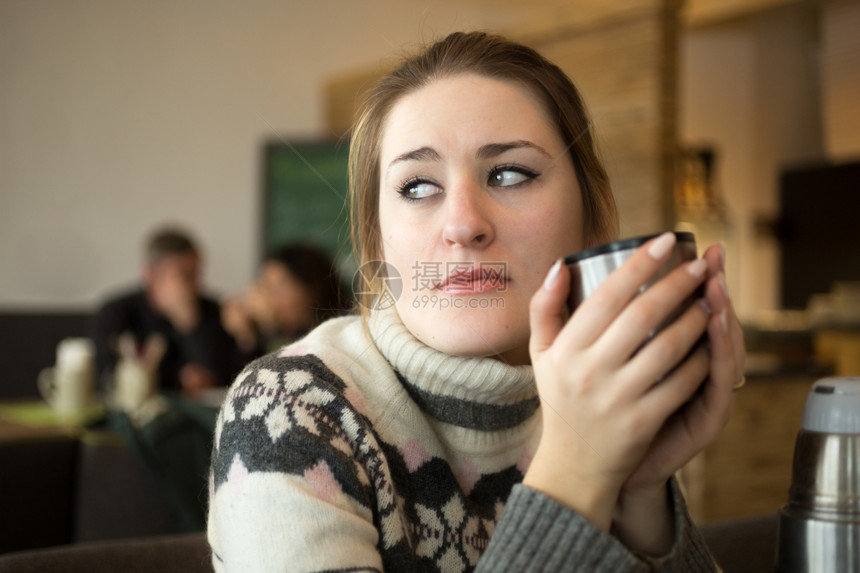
(536, 533)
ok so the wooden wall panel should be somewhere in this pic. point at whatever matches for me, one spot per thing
(626, 68)
(840, 78)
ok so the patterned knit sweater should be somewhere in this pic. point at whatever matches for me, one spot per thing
(341, 454)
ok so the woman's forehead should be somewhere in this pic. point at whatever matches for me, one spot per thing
(466, 110)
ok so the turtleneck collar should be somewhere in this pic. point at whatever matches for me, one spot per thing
(473, 392)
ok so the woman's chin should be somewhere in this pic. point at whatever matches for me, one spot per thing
(468, 332)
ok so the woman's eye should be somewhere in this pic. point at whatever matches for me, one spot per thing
(416, 189)
(508, 176)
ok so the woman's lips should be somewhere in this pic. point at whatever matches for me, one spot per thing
(475, 281)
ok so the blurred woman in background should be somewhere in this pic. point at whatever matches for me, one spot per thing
(297, 288)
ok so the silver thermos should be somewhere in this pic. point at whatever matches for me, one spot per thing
(819, 528)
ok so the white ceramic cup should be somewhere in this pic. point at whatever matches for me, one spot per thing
(68, 385)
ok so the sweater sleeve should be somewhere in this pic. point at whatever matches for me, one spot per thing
(536, 533)
(287, 492)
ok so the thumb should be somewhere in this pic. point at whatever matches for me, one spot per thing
(547, 311)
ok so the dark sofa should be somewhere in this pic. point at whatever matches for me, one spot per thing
(187, 553)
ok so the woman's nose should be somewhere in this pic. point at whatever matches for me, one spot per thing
(467, 222)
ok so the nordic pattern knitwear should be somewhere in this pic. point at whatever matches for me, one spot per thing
(339, 453)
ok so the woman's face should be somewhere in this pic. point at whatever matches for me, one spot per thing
(478, 196)
(287, 300)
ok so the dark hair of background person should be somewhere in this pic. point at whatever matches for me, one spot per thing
(168, 241)
(317, 272)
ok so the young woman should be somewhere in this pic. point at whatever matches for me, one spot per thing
(467, 423)
(297, 288)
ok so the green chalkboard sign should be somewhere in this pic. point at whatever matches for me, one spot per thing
(304, 188)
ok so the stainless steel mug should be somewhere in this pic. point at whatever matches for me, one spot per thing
(590, 267)
(819, 528)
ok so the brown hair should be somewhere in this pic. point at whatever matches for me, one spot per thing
(493, 57)
(317, 272)
(168, 241)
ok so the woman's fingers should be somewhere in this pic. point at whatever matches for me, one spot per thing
(668, 349)
(703, 417)
(728, 341)
(715, 255)
(602, 307)
(547, 311)
(678, 386)
(698, 416)
(727, 355)
(721, 302)
(652, 309)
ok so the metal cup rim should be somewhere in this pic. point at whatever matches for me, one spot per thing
(623, 245)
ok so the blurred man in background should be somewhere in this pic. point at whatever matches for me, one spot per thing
(198, 352)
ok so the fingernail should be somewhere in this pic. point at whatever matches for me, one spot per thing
(662, 245)
(553, 275)
(722, 257)
(721, 278)
(703, 304)
(724, 321)
(697, 268)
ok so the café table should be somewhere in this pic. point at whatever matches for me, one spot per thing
(89, 477)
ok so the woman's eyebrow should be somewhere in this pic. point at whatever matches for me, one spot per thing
(420, 154)
(494, 149)
(487, 151)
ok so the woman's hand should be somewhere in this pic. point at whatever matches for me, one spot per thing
(691, 428)
(699, 421)
(238, 323)
(177, 301)
(604, 402)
